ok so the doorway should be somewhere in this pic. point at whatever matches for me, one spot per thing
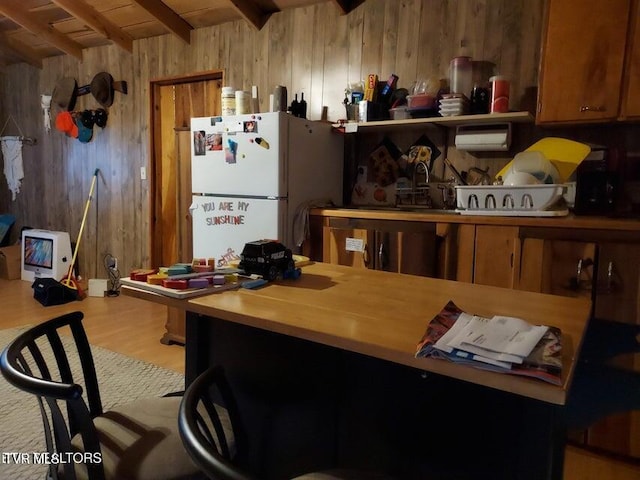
(174, 101)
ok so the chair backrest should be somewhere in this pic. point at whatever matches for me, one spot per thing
(60, 372)
(201, 423)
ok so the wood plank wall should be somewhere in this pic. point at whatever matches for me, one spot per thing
(312, 50)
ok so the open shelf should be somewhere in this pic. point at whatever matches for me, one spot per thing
(514, 117)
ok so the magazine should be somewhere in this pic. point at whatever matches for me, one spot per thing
(543, 362)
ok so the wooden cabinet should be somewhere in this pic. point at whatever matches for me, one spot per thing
(489, 255)
(344, 245)
(606, 271)
(403, 247)
(583, 70)
(617, 299)
(631, 104)
(496, 253)
(558, 267)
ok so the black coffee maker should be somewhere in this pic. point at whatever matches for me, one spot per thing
(598, 182)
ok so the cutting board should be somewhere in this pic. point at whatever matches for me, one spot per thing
(174, 293)
(565, 155)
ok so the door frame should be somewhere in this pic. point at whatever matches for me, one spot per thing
(154, 168)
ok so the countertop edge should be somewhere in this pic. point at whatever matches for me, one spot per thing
(569, 221)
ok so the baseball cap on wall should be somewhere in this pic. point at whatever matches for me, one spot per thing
(85, 134)
(100, 117)
(66, 124)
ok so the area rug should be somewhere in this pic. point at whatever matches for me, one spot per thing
(122, 379)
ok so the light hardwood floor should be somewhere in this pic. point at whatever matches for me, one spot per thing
(122, 324)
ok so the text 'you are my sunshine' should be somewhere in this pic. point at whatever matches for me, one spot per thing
(227, 212)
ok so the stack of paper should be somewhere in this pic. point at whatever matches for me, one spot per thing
(503, 344)
(499, 341)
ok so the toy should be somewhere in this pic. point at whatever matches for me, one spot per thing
(268, 258)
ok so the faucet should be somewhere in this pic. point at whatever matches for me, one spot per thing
(425, 171)
(421, 187)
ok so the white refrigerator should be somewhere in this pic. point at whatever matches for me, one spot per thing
(251, 174)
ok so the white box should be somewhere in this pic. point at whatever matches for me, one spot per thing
(97, 287)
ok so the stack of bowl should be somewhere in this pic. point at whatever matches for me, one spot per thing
(453, 104)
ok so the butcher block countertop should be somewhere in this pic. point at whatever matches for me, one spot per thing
(570, 221)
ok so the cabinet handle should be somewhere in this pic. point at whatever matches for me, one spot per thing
(609, 276)
(365, 256)
(381, 256)
(583, 279)
(591, 108)
(611, 282)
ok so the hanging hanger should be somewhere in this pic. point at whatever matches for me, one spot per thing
(21, 137)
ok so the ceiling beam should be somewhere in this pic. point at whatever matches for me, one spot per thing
(14, 10)
(97, 22)
(19, 49)
(251, 12)
(167, 17)
(346, 6)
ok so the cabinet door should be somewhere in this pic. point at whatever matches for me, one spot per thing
(406, 250)
(618, 300)
(631, 99)
(394, 246)
(582, 61)
(496, 251)
(346, 246)
(557, 267)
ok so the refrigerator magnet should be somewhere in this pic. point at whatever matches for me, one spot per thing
(251, 126)
(262, 142)
(199, 142)
(214, 141)
(231, 151)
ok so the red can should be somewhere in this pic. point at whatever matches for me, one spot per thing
(499, 94)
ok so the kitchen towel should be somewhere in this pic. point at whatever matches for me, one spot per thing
(301, 219)
(12, 153)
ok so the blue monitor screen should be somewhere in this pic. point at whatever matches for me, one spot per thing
(38, 252)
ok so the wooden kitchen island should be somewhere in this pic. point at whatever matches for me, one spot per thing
(325, 373)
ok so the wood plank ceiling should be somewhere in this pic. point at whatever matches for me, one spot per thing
(32, 30)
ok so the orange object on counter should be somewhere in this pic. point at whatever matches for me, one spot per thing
(156, 278)
(141, 274)
(203, 268)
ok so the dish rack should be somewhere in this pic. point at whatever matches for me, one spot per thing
(522, 200)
